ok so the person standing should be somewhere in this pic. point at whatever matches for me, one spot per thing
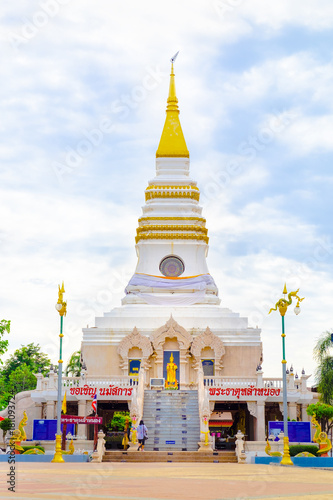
(127, 430)
(142, 434)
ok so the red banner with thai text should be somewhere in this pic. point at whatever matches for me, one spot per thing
(74, 419)
(244, 391)
(112, 390)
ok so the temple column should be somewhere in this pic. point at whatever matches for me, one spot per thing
(183, 369)
(260, 423)
(82, 407)
(257, 410)
(159, 365)
(39, 410)
(292, 411)
(50, 409)
(305, 416)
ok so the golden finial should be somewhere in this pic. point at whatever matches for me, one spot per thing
(61, 306)
(283, 304)
(172, 98)
(172, 142)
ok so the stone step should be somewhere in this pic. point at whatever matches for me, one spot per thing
(174, 404)
(173, 432)
(181, 429)
(168, 399)
(166, 456)
(168, 414)
(172, 408)
(176, 438)
(187, 434)
(171, 403)
(174, 448)
(164, 399)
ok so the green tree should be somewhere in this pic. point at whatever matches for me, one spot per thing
(4, 328)
(21, 379)
(5, 425)
(17, 372)
(323, 413)
(4, 397)
(29, 355)
(118, 421)
(324, 372)
(74, 365)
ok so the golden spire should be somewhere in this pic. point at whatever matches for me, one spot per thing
(172, 142)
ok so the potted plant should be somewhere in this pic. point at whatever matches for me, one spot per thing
(5, 426)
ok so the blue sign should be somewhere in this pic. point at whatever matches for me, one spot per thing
(45, 430)
(170, 442)
(298, 432)
(208, 367)
(134, 367)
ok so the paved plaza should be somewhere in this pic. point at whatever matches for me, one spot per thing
(167, 481)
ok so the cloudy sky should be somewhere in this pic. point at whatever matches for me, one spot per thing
(83, 92)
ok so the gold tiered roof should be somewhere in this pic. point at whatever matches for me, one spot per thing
(172, 143)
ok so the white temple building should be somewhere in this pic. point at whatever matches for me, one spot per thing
(172, 308)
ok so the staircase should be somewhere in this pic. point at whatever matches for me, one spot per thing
(172, 419)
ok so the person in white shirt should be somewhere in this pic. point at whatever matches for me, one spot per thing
(142, 435)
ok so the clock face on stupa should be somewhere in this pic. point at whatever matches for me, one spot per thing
(172, 266)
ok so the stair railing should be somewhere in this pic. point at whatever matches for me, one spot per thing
(204, 413)
(136, 412)
(141, 391)
(201, 388)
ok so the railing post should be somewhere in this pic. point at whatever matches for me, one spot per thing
(204, 413)
(304, 383)
(136, 411)
(51, 379)
(39, 377)
(260, 380)
(97, 456)
(240, 452)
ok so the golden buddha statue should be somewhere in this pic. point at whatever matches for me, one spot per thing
(171, 381)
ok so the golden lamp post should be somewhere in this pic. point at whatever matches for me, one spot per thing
(61, 307)
(283, 305)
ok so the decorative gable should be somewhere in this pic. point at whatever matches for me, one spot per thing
(134, 339)
(208, 339)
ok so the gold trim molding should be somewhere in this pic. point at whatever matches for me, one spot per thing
(177, 186)
(180, 227)
(171, 236)
(148, 218)
(172, 194)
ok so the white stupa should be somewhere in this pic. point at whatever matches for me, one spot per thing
(171, 277)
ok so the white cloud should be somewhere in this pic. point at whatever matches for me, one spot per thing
(313, 14)
(310, 134)
(302, 75)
